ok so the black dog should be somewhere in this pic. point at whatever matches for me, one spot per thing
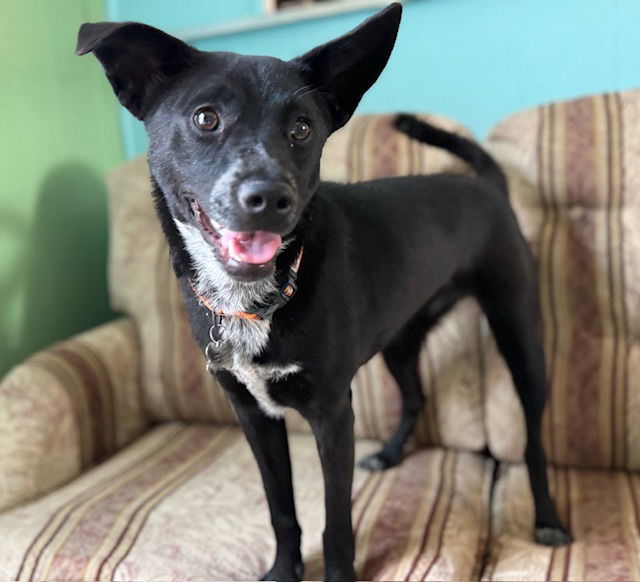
(235, 144)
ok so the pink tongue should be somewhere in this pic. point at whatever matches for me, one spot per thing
(251, 247)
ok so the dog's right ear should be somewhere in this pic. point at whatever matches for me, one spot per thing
(344, 69)
(138, 59)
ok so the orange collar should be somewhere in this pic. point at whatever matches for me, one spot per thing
(286, 292)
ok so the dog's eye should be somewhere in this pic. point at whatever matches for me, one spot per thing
(206, 119)
(300, 130)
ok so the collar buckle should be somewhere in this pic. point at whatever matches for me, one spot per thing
(290, 288)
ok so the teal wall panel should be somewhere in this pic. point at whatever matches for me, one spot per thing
(474, 60)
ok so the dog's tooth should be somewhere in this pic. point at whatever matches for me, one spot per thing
(216, 226)
(233, 254)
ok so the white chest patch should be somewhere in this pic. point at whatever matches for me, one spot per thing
(256, 379)
(246, 338)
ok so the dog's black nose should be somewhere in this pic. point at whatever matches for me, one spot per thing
(265, 197)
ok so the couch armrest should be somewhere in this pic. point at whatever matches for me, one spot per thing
(68, 407)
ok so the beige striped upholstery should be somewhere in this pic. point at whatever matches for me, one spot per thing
(577, 191)
(67, 408)
(186, 502)
(602, 509)
(175, 384)
(575, 171)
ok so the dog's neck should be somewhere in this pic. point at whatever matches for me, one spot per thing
(225, 295)
(192, 256)
(212, 281)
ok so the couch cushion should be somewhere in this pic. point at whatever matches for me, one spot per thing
(575, 175)
(186, 503)
(601, 510)
(67, 408)
(175, 383)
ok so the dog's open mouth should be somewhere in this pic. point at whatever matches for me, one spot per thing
(238, 249)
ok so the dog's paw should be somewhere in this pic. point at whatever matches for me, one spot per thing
(377, 462)
(279, 573)
(552, 536)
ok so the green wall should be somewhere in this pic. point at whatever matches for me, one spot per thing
(59, 134)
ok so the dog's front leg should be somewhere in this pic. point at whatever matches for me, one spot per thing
(267, 438)
(333, 429)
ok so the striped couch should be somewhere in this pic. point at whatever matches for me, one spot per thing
(120, 458)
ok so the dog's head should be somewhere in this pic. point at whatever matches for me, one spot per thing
(235, 141)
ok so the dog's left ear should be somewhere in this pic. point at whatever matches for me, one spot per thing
(137, 59)
(346, 67)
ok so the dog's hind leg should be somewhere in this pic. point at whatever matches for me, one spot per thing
(513, 312)
(401, 356)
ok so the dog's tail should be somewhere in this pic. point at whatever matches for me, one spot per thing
(483, 164)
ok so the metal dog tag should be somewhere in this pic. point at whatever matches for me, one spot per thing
(218, 355)
(216, 331)
(217, 350)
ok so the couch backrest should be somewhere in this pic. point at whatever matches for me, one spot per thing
(175, 383)
(575, 180)
(574, 171)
